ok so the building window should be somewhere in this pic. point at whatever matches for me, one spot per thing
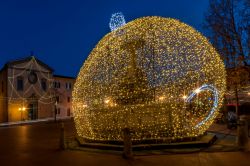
(19, 83)
(44, 85)
(68, 85)
(57, 84)
(51, 84)
(58, 110)
(68, 112)
(68, 99)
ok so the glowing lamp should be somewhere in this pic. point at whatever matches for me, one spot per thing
(197, 90)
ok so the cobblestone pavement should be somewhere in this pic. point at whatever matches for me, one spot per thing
(37, 144)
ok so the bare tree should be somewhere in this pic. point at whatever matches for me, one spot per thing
(228, 24)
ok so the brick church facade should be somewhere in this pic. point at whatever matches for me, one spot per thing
(29, 90)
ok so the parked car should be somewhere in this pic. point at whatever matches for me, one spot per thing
(231, 117)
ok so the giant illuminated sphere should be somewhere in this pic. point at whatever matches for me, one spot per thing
(156, 76)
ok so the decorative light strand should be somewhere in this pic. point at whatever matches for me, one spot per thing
(140, 79)
(45, 97)
(215, 104)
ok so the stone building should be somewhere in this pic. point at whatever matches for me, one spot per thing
(29, 90)
(238, 79)
(63, 90)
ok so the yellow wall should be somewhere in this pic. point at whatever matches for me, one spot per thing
(14, 113)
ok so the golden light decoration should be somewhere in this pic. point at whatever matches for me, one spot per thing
(157, 76)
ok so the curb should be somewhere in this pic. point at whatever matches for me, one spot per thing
(8, 124)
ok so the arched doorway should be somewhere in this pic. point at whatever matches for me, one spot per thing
(32, 107)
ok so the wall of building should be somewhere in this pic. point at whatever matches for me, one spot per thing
(33, 101)
(3, 96)
(64, 92)
(19, 100)
(241, 77)
(14, 111)
(45, 110)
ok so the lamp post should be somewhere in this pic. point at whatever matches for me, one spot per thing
(21, 109)
(55, 111)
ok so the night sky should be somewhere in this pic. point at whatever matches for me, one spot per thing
(62, 33)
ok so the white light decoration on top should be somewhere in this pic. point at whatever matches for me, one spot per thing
(117, 20)
(141, 79)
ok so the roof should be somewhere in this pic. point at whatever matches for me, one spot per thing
(26, 59)
(61, 76)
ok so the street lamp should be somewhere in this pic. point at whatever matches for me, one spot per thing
(21, 109)
(184, 97)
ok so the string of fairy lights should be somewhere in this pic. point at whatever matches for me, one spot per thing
(215, 101)
(159, 77)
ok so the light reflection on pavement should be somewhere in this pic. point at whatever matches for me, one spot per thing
(37, 144)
